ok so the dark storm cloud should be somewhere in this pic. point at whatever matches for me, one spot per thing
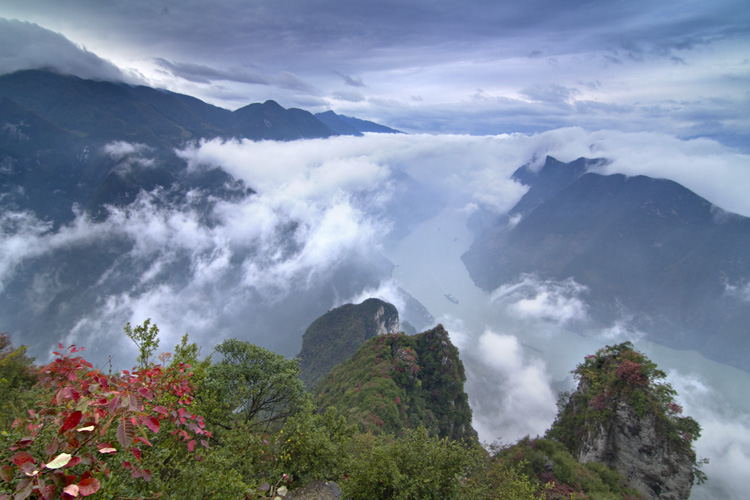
(29, 46)
(295, 29)
(527, 56)
(205, 74)
(353, 81)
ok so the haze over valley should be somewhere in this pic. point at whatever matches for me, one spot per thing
(535, 225)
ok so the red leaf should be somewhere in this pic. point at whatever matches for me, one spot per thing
(106, 448)
(88, 486)
(73, 420)
(161, 409)
(23, 489)
(152, 423)
(125, 432)
(141, 439)
(114, 404)
(146, 393)
(52, 447)
(146, 474)
(135, 402)
(136, 453)
(191, 445)
(22, 457)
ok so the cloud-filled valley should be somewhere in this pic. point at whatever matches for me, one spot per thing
(319, 205)
(311, 232)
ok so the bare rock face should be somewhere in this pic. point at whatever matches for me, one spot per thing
(316, 490)
(641, 452)
(623, 415)
(386, 322)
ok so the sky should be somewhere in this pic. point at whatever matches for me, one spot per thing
(482, 67)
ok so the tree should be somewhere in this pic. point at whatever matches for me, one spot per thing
(253, 384)
(17, 376)
(146, 337)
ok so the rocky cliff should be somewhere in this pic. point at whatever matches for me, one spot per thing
(335, 336)
(624, 416)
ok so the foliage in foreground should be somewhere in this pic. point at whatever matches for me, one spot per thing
(79, 432)
(551, 466)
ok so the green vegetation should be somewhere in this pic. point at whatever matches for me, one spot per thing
(242, 427)
(17, 377)
(621, 373)
(336, 336)
(251, 384)
(552, 467)
(397, 382)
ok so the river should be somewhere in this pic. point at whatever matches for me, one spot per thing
(428, 265)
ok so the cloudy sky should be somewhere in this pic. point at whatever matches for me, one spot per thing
(660, 88)
(480, 67)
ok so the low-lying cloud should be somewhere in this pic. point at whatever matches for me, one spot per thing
(261, 266)
(516, 395)
(725, 437)
(532, 298)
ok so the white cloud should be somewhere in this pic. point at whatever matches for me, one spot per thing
(741, 292)
(532, 298)
(622, 330)
(510, 393)
(321, 202)
(725, 438)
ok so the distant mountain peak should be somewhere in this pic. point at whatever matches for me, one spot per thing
(646, 249)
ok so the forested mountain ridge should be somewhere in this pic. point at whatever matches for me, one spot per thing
(396, 382)
(60, 136)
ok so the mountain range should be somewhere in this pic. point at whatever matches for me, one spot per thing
(75, 151)
(55, 128)
(646, 254)
(647, 251)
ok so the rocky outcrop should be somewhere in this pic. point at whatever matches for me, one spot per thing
(335, 336)
(316, 490)
(641, 452)
(624, 415)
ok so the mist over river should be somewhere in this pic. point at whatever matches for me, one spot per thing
(517, 362)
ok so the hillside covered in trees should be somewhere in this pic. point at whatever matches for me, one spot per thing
(239, 424)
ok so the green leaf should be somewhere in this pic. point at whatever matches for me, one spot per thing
(60, 460)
